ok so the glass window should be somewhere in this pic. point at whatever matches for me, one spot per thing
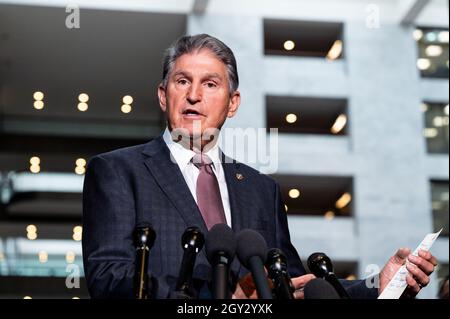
(326, 196)
(307, 115)
(433, 52)
(303, 38)
(439, 204)
(436, 127)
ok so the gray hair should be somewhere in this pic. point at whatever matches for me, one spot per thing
(195, 43)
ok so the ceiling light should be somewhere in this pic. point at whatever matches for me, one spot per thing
(423, 64)
(126, 108)
(38, 96)
(335, 51)
(76, 236)
(80, 170)
(35, 169)
(31, 229)
(294, 193)
(417, 34)
(433, 50)
(329, 215)
(339, 124)
(31, 236)
(291, 118)
(424, 107)
(80, 162)
(289, 45)
(343, 201)
(443, 36)
(82, 106)
(35, 160)
(38, 105)
(438, 121)
(127, 99)
(77, 229)
(430, 132)
(83, 97)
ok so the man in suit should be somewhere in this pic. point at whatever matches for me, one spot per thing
(182, 179)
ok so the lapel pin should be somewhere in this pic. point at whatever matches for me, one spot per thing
(239, 176)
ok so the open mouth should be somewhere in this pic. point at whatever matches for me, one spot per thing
(191, 112)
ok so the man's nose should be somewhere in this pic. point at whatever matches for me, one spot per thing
(194, 94)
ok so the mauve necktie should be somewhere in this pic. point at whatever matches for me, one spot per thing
(209, 200)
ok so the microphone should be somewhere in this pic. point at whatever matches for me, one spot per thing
(251, 251)
(320, 265)
(320, 289)
(144, 238)
(276, 265)
(220, 251)
(192, 242)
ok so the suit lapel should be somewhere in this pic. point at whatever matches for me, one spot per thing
(240, 203)
(169, 177)
(238, 191)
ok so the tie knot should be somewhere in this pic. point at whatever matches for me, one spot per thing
(200, 160)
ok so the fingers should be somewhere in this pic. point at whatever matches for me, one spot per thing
(429, 257)
(418, 274)
(413, 285)
(301, 281)
(239, 293)
(401, 255)
(426, 266)
(299, 294)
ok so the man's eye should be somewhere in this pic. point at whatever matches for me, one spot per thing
(211, 85)
(182, 81)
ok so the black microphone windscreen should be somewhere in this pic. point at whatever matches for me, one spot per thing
(319, 264)
(144, 234)
(320, 289)
(220, 238)
(250, 243)
(192, 238)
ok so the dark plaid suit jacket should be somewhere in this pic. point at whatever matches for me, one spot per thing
(141, 183)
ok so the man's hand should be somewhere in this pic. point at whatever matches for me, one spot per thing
(246, 288)
(300, 283)
(419, 267)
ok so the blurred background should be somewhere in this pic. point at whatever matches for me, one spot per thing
(357, 89)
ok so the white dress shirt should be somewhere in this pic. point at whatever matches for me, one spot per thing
(183, 157)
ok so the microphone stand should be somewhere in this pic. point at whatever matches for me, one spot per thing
(144, 238)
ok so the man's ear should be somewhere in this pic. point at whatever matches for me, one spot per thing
(235, 101)
(162, 98)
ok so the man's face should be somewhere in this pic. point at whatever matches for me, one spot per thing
(198, 92)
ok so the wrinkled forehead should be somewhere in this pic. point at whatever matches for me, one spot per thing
(199, 61)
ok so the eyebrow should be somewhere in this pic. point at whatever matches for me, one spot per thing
(182, 73)
(213, 75)
(207, 75)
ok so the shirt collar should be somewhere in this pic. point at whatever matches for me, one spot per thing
(183, 155)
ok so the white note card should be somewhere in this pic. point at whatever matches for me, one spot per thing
(398, 284)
